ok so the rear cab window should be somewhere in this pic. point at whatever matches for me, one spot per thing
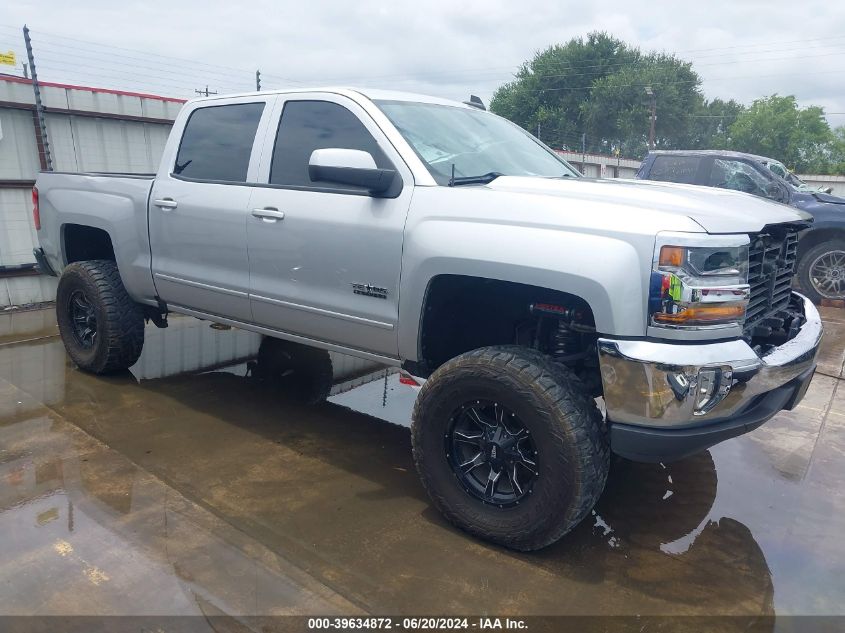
(217, 143)
(668, 168)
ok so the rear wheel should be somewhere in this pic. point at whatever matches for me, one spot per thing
(101, 327)
(509, 446)
(297, 371)
(821, 271)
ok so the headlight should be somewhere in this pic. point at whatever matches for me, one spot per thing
(699, 281)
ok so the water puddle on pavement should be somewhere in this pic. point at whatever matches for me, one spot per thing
(190, 483)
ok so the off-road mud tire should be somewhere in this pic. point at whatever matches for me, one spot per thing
(119, 320)
(573, 455)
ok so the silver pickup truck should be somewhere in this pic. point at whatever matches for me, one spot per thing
(436, 237)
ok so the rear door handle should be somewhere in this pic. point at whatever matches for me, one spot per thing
(166, 203)
(269, 213)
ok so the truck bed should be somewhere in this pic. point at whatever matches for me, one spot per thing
(113, 203)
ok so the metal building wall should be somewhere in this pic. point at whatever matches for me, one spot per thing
(18, 150)
(93, 144)
(601, 165)
(88, 130)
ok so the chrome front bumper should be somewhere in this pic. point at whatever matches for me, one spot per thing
(672, 386)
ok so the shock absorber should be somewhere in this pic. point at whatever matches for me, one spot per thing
(561, 341)
(565, 344)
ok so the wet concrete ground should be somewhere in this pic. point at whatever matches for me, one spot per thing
(179, 489)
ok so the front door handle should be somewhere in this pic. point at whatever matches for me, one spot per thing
(166, 203)
(269, 213)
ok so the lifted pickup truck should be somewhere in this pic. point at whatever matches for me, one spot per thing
(436, 237)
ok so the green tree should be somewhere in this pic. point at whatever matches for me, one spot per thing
(595, 86)
(836, 164)
(709, 125)
(775, 126)
(619, 108)
(550, 89)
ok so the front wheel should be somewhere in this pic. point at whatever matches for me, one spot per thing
(101, 327)
(509, 446)
(821, 271)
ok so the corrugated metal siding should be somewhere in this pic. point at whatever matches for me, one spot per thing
(77, 143)
(591, 171)
(93, 144)
(108, 103)
(17, 238)
(18, 149)
(15, 92)
(346, 367)
(20, 291)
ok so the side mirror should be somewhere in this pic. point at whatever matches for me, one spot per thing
(349, 167)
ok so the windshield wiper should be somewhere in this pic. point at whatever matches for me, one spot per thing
(483, 179)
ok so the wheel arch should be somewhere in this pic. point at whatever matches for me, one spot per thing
(460, 313)
(820, 234)
(82, 242)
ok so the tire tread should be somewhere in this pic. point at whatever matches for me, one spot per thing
(123, 329)
(567, 399)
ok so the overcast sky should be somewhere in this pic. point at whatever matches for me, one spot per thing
(451, 48)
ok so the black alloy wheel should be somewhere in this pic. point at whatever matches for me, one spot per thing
(491, 453)
(83, 318)
(510, 445)
(101, 326)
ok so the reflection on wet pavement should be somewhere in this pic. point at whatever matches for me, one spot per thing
(187, 487)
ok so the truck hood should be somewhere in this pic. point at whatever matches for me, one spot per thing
(715, 210)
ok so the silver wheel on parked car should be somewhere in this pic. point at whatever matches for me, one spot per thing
(827, 274)
(821, 271)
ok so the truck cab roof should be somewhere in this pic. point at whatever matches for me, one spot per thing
(373, 94)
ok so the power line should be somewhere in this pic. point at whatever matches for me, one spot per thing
(132, 50)
(219, 69)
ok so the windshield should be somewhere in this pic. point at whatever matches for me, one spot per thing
(480, 145)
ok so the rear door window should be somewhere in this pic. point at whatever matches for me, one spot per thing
(675, 169)
(217, 142)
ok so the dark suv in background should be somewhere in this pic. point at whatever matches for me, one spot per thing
(821, 260)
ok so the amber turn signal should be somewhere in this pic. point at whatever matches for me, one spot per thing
(672, 256)
(703, 314)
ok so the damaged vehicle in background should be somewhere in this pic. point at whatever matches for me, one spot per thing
(820, 270)
(780, 169)
(436, 237)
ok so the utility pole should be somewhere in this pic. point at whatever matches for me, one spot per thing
(583, 152)
(46, 159)
(650, 93)
(258, 80)
(538, 130)
(206, 92)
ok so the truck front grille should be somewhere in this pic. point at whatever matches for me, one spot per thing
(771, 265)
